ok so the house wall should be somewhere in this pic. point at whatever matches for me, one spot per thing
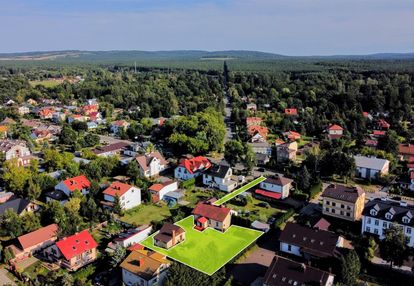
(181, 173)
(170, 188)
(284, 190)
(62, 187)
(138, 237)
(131, 199)
(17, 151)
(344, 210)
(79, 261)
(335, 132)
(289, 248)
(132, 279)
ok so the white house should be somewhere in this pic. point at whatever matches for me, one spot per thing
(277, 187)
(335, 131)
(219, 176)
(14, 149)
(133, 236)
(151, 164)
(261, 148)
(68, 186)
(191, 168)
(371, 167)
(129, 196)
(158, 191)
(380, 214)
(118, 125)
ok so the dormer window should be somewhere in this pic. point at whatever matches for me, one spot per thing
(406, 220)
(373, 212)
(388, 216)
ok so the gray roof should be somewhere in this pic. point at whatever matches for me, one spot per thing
(174, 195)
(219, 171)
(398, 209)
(17, 205)
(370, 162)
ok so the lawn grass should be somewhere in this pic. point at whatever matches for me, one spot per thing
(145, 214)
(46, 83)
(209, 250)
(239, 191)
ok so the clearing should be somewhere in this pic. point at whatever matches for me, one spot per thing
(209, 250)
(145, 214)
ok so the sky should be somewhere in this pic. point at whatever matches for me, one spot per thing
(289, 27)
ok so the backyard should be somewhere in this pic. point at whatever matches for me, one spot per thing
(145, 214)
(239, 191)
(209, 250)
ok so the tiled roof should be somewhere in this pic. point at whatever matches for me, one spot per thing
(38, 236)
(110, 148)
(370, 162)
(77, 183)
(343, 193)
(158, 187)
(196, 164)
(117, 188)
(145, 160)
(278, 180)
(254, 129)
(384, 206)
(76, 244)
(335, 127)
(269, 194)
(406, 149)
(217, 213)
(144, 263)
(166, 232)
(291, 111)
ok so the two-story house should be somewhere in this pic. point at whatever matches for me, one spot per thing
(371, 167)
(159, 190)
(277, 187)
(15, 149)
(169, 236)
(286, 151)
(151, 164)
(209, 215)
(79, 183)
(335, 131)
(380, 214)
(220, 177)
(129, 196)
(118, 125)
(191, 168)
(343, 202)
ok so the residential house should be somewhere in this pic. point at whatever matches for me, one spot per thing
(68, 186)
(169, 236)
(251, 107)
(35, 241)
(57, 195)
(191, 168)
(31, 102)
(343, 202)
(286, 152)
(15, 149)
(118, 125)
(111, 149)
(277, 187)
(76, 117)
(382, 124)
(371, 167)
(406, 151)
(22, 110)
(335, 131)
(173, 198)
(378, 133)
(8, 121)
(159, 190)
(286, 272)
(380, 214)
(144, 268)
(4, 129)
(151, 164)
(253, 121)
(262, 159)
(92, 125)
(129, 196)
(261, 148)
(58, 117)
(73, 252)
(19, 206)
(308, 242)
(291, 111)
(91, 108)
(133, 236)
(253, 130)
(292, 135)
(220, 177)
(209, 215)
(46, 112)
(40, 136)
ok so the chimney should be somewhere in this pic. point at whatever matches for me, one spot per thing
(173, 237)
(140, 262)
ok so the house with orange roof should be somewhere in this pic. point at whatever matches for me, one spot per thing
(253, 130)
(191, 168)
(159, 190)
(68, 186)
(88, 109)
(144, 267)
(129, 196)
(209, 215)
(4, 129)
(151, 164)
(118, 125)
(46, 112)
(291, 111)
(73, 252)
(292, 135)
(335, 131)
(35, 241)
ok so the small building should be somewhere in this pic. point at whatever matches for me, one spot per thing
(308, 242)
(159, 190)
(261, 148)
(133, 236)
(79, 183)
(253, 121)
(22, 110)
(144, 267)
(169, 236)
(292, 135)
(129, 196)
(209, 215)
(19, 206)
(291, 111)
(119, 125)
(73, 252)
(277, 187)
(343, 202)
(265, 227)
(15, 149)
(285, 272)
(371, 167)
(151, 164)
(57, 195)
(111, 149)
(191, 168)
(286, 152)
(406, 151)
(257, 131)
(335, 131)
(173, 198)
(220, 177)
(251, 107)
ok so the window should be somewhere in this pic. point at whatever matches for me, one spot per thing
(408, 230)
(348, 207)
(376, 222)
(388, 216)
(368, 229)
(384, 224)
(406, 220)
(342, 206)
(333, 211)
(369, 220)
(373, 212)
(328, 203)
(348, 214)
(333, 204)
(376, 231)
(342, 213)
(289, 247)
(327, 209)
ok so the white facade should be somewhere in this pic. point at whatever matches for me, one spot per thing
(335, 132)
(141, 235)
(131, 279)
(181, 173)
(284, 190)
(128, 200)
(166, 189)
(225, 184)
(17, 151)
(289, 248)
(62, 187)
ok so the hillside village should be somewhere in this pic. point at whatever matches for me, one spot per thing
(96, 194)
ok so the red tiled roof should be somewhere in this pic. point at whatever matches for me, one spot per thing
(370, 142)
(383, 124)
(76, 244)
(379, 133)
(136, 246)
(38, 236)
(117, 188)
(410, 166)
(77, 183)
(412, 175)
(195, 164)
(291, 111)
(202, 219)
(268, 194)
(406, 149)
(158, 187)
(120, 123)
(217, 213)
(335, 127)
(254, 129)
(292, 135)
(365, 114)
(279, 142)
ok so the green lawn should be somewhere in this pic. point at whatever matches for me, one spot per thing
(46, 83)
(239, 191)
(209, 250)
(144, 214)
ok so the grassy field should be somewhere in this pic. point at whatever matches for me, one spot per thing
(144, 214)
(209, 250)
(239, 191)
(46, 83)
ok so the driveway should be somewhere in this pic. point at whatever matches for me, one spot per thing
(4, 279)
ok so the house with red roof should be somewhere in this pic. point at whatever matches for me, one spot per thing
(383, 125)
(68, 186)
(35, 241)
(73, 252)
(406, 151)
(335, 131)
(88, 109)
(191, 168)
(254, 130)
(209, 215)
(129, 196)
(46, 112)
(292, 135)
(151, 164)
(291, 111)
(277, 188)
(159, 190)
(379, 133)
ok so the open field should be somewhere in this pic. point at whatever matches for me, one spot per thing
(46, 83)
(239, 191)
(145, 214)
(209, 250)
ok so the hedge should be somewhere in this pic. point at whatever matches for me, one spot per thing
(188, 183)
(284, 218)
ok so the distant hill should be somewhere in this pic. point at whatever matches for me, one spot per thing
(181, 55)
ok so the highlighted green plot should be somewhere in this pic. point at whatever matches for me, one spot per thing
(209, 250)
(239, 191)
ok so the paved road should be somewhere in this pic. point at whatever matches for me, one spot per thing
(4, 279)
(227, 118)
